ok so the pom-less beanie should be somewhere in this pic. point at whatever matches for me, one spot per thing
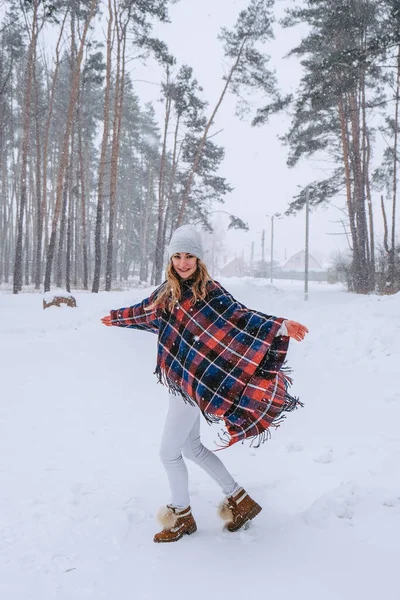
(186, 239)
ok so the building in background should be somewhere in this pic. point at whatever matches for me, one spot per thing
(293, 268)
(297, 263)
(233, 268)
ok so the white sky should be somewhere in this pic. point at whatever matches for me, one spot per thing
(255, 161)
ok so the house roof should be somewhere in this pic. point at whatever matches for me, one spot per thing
(297, 262)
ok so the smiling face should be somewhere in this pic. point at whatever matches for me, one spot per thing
(184, 264)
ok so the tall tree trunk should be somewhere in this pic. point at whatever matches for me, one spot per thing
(70, 172)
(360, 264)
(384, 277)
(45, 161)
(5, 213)
(385, 226)
(144, 219)
(103, 154)
(38, 186)
(65, 150)
(61, 237)
(83, 208)
(392, 252)
(70, 223)
(346, 162)
(117, 119)
(26, 123)
(367, 182)
(371, 219)
(27, 239)
(159, 253)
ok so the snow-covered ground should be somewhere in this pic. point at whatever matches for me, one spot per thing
(81, 416)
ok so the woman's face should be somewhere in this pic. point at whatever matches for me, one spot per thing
(184, 264)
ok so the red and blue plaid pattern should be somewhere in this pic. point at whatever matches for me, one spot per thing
(221, 355)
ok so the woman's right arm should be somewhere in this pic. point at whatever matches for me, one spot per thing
(139, 316)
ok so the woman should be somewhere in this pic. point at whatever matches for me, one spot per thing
(216, 357)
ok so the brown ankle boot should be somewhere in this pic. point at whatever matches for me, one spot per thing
(237, 510)
(176, 523)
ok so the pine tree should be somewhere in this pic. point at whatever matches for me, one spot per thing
(340, 84)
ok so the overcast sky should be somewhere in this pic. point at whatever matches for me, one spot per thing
(255, 161)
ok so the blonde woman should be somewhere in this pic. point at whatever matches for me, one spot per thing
(218, 358)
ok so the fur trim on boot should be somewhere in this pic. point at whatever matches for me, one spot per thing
(167, 517)
(176, 523)
(238, 509)
(224, 512)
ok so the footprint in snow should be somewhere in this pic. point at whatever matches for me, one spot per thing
(295, 447)
(349, 500)
(392, 398)
(325, 457)
(391, 502)
(338, 503)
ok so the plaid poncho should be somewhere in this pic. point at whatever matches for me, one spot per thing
(220, 355)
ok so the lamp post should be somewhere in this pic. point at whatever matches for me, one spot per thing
(272, 248)
(306, 250)
(262, 247)
(271, 269)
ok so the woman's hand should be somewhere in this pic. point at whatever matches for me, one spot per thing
(107, 321)
(296, 330)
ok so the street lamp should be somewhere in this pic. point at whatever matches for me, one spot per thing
(307, 243)
(272, 245)
(272, 248)
(306, 249)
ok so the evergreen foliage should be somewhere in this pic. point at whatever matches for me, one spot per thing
(92, 184)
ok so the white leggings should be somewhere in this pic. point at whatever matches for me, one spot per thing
(182, 436)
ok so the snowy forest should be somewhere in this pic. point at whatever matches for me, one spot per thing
(92, 183)
(272, 128)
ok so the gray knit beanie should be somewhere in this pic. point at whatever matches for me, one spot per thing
(186, 239)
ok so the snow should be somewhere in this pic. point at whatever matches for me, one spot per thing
(58, 292)
(81, 417)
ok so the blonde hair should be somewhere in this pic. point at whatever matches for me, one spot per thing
(171, 291)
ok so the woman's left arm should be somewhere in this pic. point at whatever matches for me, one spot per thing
(295, 330)
(287, 327)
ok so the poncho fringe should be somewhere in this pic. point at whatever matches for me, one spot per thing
(176, 390)
(290, 404)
